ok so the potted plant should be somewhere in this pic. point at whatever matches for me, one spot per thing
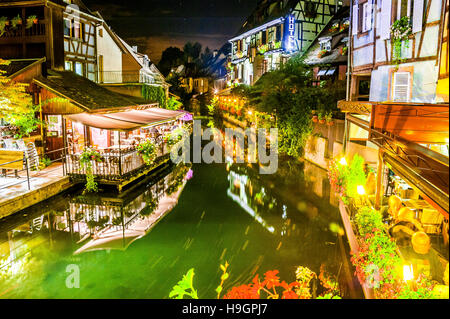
(31, 20)
(343, 50)
(88, 156)
(147, 150)
(344, 25)
(329, 118)
(3, 23)
(17, 20)
(334, 27)
(322, 119)
(315, 118)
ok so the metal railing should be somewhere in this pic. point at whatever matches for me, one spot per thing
(26, 177)
(116, 164)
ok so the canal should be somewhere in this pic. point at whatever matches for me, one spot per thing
(139, 244)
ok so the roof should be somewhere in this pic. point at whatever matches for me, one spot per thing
(82, 7)
(84, 93)
(18, 66)
(266, 11)
(337, 37)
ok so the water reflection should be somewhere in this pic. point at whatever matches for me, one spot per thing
(92, 222)
(224, 213)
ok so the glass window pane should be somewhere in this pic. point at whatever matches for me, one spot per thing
(78, 68)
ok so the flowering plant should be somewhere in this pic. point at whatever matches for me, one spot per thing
(88, 156)
(263, 48)
(147, 150)
(270, 287)
(367, 219)
(334, 27)
(344, 50)
(400, 31)
(344, 25)
(322, 53)
(377, 262)
(336, 176)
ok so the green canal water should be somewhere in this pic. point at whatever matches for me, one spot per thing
(139, 244)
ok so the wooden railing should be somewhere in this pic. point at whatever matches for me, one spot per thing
(38, 29)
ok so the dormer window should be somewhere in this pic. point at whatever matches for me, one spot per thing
(325, 44)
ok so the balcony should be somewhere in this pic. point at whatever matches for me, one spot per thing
(114, 77)
(21, 33)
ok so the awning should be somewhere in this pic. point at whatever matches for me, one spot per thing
(331, 71)
(127, 120)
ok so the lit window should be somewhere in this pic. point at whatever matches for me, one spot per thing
(78, 68)
(68, 65)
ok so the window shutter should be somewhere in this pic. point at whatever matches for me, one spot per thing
(385, 25)
(355, 20)
(401, 87)
(417, 19)
(369, 16)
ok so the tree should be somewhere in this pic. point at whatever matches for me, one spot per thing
(16, 106)
(192, 52)
(171, 57)
(287, 93)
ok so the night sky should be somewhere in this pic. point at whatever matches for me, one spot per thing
(154, 25)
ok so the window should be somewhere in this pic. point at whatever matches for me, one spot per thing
(325, 44)
(366, 17)
(68, 65)
(271, 35)
(77, 30)
(258, 38)
(67, 27)
(404, 8)
(79, 68)
(278, 33)
(100, 32)
(401, 87)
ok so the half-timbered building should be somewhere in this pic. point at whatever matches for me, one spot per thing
(276, 30)
(397, 111)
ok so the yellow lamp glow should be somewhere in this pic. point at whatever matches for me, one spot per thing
(360, 190)
(343, 161)
(250, 112)
(408, 273)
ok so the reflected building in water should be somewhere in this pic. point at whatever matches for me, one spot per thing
(93, 222)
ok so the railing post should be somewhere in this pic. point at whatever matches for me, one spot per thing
(28, 173)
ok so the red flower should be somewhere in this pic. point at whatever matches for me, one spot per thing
(289, 294)
(271, 279)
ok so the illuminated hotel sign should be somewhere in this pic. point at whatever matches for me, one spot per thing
(291, 44)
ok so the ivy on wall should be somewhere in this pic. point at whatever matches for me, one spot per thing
(154, 94)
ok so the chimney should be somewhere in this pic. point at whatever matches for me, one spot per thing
(135, 48)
